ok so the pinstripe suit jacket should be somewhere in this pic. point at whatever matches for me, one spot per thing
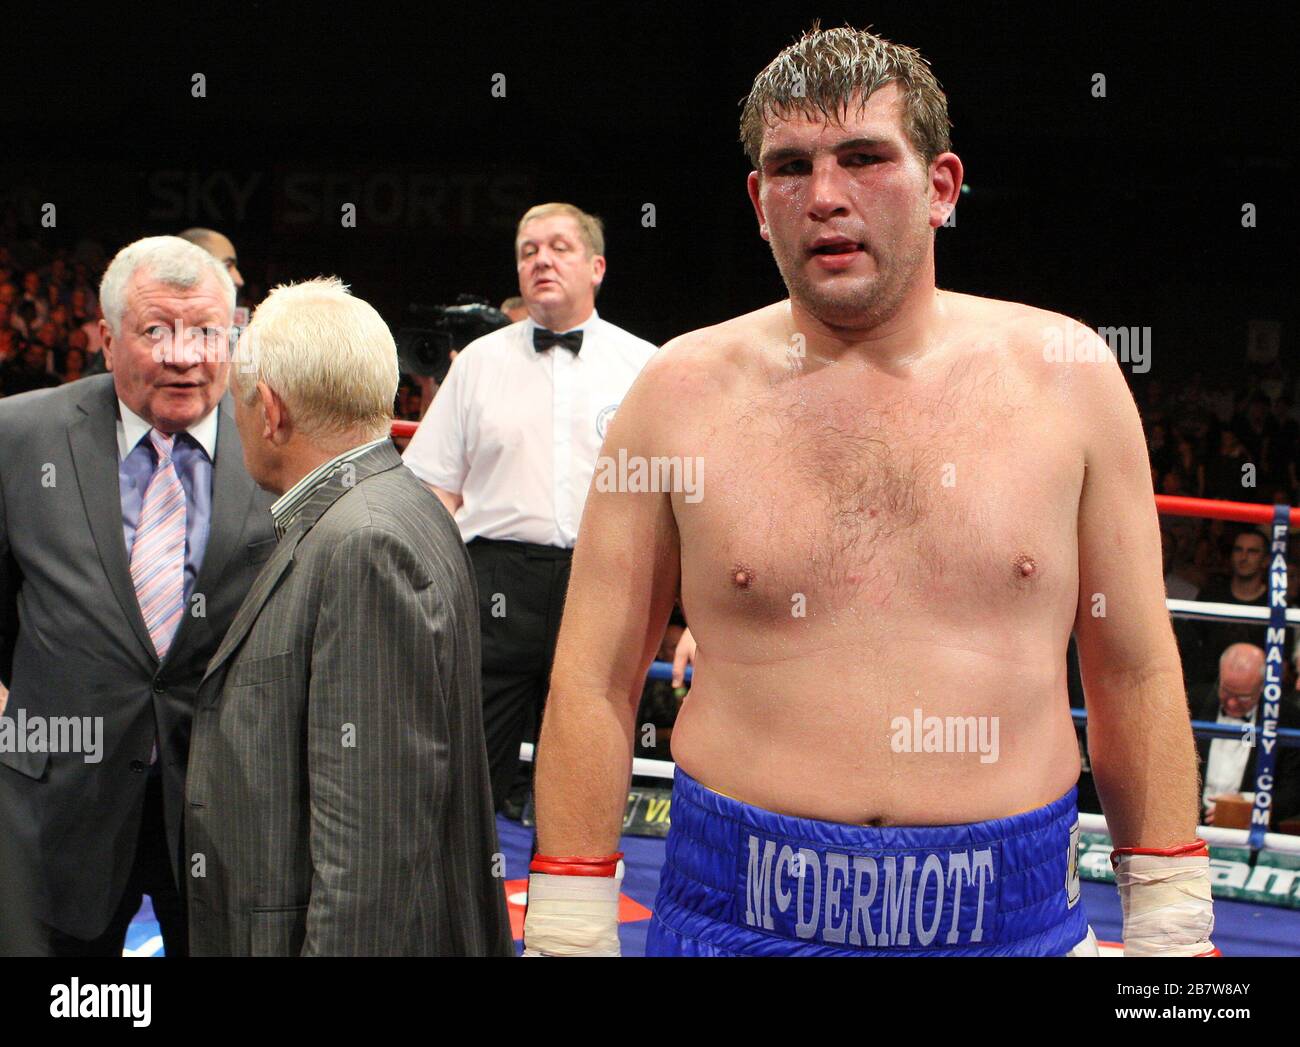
(338, 800)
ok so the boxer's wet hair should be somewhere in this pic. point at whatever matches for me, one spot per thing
(819, 74)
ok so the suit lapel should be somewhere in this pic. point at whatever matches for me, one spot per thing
(257, 596)
(92, 437)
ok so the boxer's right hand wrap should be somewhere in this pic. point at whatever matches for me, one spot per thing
(573, 906)
(1165, 893)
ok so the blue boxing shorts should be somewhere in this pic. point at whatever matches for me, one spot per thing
(742, 881)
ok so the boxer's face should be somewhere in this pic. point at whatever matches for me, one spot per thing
(557, 275)
(171, 384)
(849, 209)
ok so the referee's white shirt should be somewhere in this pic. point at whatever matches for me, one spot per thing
(516, 433)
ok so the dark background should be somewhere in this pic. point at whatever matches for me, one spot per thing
(1123, 211)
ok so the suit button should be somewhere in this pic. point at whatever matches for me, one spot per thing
(137, 766)
(159, 686)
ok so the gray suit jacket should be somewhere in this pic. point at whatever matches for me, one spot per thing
(73, 644)
(338, 794)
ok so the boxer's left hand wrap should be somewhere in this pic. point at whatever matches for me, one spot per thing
(1165, 893)
(573, 906)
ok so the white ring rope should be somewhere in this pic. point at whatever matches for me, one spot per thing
(1203, 611)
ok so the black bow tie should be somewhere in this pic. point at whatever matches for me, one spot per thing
(544, 339)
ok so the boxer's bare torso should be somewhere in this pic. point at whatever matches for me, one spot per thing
(874, 544)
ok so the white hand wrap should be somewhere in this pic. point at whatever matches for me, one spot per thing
(572, 915)
(1167, 907)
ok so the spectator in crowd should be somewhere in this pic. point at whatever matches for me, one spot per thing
(1158, 447)
(80, 308)
(25, 317)
(1227, 764)
(1249, 581)
(1285, 443)
(515, 308)
(59, 279)
(27, 371)
(74, 365)
(1247, 586)
(1227, 477)
(31, 293)
(220, 247)
(50, 337)
(1252, 428)
(1176, 586)
(94, 337)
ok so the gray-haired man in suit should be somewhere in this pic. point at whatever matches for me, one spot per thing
(129, 534)
(338, 794)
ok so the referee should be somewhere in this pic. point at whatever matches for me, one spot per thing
(510, 444)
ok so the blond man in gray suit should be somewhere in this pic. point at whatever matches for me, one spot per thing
(338, 801)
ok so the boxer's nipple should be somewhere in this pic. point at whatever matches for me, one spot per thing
(742, 577)
(1025, 566)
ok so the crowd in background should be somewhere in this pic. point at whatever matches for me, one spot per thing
(49, 317)
(1233, 441)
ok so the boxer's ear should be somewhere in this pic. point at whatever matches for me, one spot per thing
(945, 173)
(755, 198)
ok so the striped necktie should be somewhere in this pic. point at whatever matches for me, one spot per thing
(158, 555)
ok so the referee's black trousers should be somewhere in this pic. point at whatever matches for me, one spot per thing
(521, 598)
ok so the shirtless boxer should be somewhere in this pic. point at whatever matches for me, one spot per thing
(909, 502)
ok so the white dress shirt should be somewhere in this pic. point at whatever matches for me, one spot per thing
(516, 433)
(1226, 763)
(131, 429)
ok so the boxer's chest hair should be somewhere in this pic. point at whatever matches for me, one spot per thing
(847, 496)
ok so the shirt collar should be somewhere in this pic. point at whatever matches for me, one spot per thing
(287, 506)
(531, 325)
(134, 428)
(1225, 718)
